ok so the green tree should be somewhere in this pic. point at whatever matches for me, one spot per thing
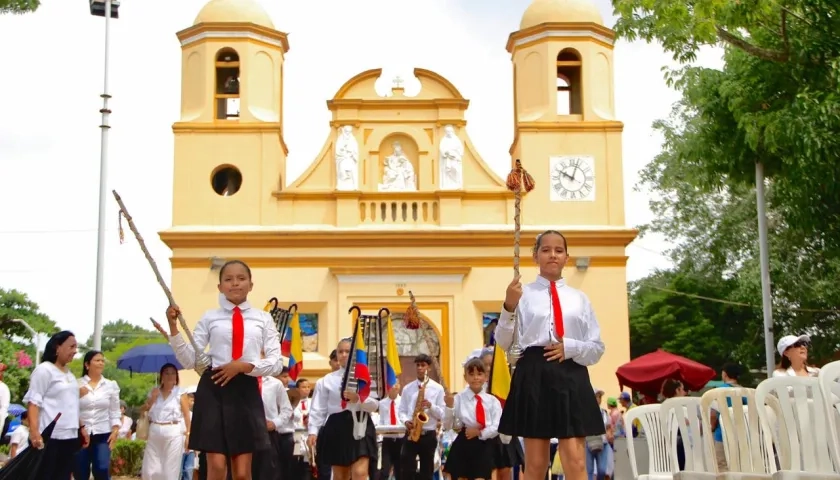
(14, 305)
(15, 377)
(19, 6)
(134, 387)
(776, 100)
(120, 331)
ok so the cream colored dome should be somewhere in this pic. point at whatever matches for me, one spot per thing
(560, 11)
(234, 11)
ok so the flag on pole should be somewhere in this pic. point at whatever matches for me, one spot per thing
(392, 358)
(295, 336)
(499, 382)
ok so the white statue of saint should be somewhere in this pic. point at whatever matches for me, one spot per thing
(346, 160)
(399, 172)
(451, 154)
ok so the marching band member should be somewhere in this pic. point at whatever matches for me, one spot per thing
(274, 463)
(475, 415)
(228, 417)
(551, 394)
(433, 405)
(391, 442)
(324, 469)
(331, 424)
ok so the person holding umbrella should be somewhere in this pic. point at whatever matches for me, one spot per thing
(54, 392)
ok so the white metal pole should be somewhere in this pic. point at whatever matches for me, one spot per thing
(764, 255)
(103, 188)
(36, 338)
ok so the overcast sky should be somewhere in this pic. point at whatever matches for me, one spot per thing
(50, 140)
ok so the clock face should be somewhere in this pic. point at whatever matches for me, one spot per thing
(572, 178)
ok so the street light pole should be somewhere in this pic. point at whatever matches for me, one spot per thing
(97, 10)
(764, 258)
(36, 338)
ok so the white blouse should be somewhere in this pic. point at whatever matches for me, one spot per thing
(812, 372)
(54, 391)
(434, 394)
(582, 335)
(385, 414)
(216, 330)
(99, 408)
(328, 398)
(462, 413)
(125, 427)
(167, 410)
(276, 404)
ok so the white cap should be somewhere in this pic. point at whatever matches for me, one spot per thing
(788, 340)
(477, 353)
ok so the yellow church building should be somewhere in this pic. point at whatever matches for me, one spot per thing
(398, 199)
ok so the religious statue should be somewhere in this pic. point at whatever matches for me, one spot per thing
(451, 153)
(346, 160)
(399, 172)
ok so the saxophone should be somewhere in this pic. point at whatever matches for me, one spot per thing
(420, 417)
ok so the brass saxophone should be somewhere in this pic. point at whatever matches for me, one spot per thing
(420, 417)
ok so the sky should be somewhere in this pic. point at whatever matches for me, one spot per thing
(50, 136)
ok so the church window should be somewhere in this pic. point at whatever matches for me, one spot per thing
(226, 180)
(569, 99)
(227, 84)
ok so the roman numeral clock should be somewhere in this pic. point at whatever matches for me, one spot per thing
(572, 178)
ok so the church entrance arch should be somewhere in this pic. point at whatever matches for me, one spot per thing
(411, 343)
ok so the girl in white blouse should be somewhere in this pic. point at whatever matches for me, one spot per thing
(228, 413)
(99, 411)
(475, 415)
(551, 394)
(167, 410)
(53, 390)
(331, 424)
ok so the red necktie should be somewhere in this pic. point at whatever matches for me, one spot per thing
(558, 312)
(238, 334)
(303, 404)
(259, 384)
(393, 414)
(479, 413)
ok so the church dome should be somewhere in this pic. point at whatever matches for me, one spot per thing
(560, 11)
(234, 11)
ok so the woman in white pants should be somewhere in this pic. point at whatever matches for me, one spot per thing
(167, 439)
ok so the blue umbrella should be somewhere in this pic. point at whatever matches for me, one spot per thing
(148, 358)
(16, 409)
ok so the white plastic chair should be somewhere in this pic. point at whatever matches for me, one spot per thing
(682, 414)
(829, 378)
(802, 439)
(659, 466)
(748, 443)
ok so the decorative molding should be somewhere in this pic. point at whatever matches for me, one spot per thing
(231, 127)
(398, 104)
(233, 31)
(561, 31)
(412, 279)
(500, 194)
(369, 265)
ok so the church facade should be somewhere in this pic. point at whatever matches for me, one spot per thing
(398, 199)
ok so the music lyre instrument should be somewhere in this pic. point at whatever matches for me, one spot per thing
(420, 417)
(518, 181)
(202, 361)
(370, 327)
(281, 317)
(412, 317)
(349, 382)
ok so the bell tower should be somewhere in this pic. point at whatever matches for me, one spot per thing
(565, 130)
(230, 155)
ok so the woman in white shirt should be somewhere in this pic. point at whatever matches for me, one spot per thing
(551, 394)
(125, 422)
(794, 352)
(167, 410)
(228, 412)
(332, 417)
(99, 411)
(53, 391)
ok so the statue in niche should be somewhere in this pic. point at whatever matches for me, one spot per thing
(399, 172)
(346, 160)
(451, 154)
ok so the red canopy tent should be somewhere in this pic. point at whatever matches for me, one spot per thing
(646, 373)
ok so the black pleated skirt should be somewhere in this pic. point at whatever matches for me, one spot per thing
(468, 458)
(550, 400)
(230, 419)
(502, 455)
(336, 445)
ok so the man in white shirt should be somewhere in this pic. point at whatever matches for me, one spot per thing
(391, 442)
(434, 407)
(5, 401)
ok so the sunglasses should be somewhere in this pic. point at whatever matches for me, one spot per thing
(801, 343)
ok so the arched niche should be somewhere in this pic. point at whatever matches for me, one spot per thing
(410, 343)
(409, 148)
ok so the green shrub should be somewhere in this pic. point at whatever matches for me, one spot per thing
(127, 457)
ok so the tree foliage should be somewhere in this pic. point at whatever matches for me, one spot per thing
(120, 331)
(19, 6)
(17, 305)
(776, 101)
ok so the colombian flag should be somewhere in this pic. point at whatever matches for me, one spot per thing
(294, 334)
(499, 383)
(362, 371)
(392, 358)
